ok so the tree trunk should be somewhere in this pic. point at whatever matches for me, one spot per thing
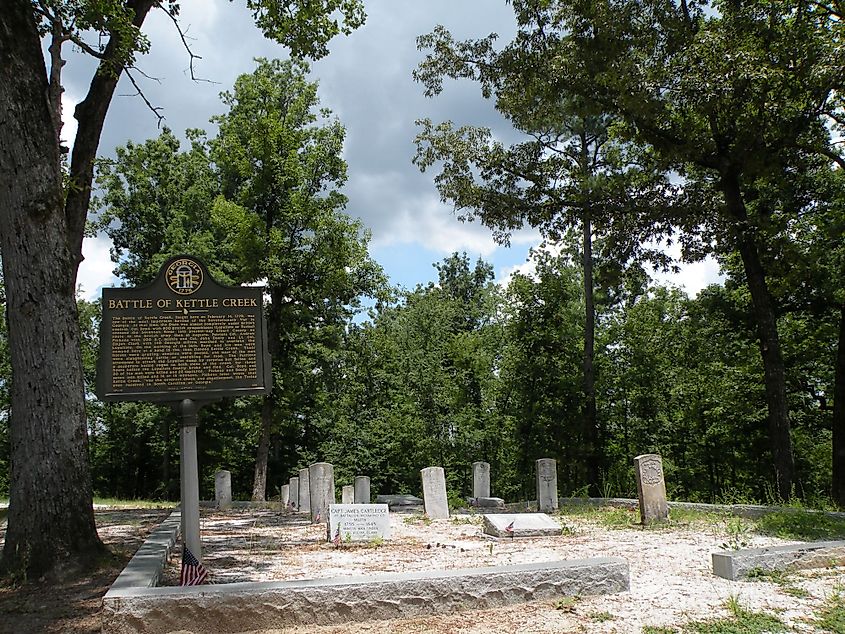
(590, 418)
(839, 416)
(51, 518)
(259, 481)
(274, 319)
(764, 316)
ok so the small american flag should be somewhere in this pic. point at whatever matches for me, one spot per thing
(193, 572)
(509, 528)
(336, 538)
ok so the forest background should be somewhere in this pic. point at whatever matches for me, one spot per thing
(587, 361)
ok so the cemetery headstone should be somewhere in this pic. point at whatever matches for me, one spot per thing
(347, 494)
(304, 505)
(362, 489)
(358, 522)
(481, 480)
(223, 490)
(294, 493)
(651, 488)
(285, 496)
(547, 499)
(434, 493)
(321, 483)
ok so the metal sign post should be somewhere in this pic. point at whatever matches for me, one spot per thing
(189, 471)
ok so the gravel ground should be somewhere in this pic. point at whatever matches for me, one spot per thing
(671, 578)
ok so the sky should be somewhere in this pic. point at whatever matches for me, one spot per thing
(366, 82)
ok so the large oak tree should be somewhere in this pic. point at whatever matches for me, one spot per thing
(42, 220)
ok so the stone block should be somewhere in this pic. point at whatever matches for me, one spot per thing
(347, 494)
(239, 607)
(737, 564)
(401, 503)
(516, 525)
(284, 495)
(488, 503)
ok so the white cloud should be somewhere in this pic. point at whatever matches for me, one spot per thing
(96, 269)
(692, 277)
(69, 126)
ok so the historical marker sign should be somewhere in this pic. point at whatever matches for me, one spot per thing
(182, 337)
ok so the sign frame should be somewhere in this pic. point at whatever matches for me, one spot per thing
(183, 289)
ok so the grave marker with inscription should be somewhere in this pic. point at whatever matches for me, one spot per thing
(651, 488)
(358, 522)
(547, 484)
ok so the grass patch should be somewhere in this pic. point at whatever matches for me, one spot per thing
(832, 615)
(611, 517)
(741, 621)
(678, 515)
(802, 525)
(781, 578)
(601, 617)
(465, 519)
(567, 604)
(135, 504)
(653, 629)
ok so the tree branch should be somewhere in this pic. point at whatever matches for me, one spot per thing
(183, 36)
(91, 114)
(140, 93)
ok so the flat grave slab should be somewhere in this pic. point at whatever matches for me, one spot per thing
(402, 502)
(358, 522)
(520, 525)
(737, 564)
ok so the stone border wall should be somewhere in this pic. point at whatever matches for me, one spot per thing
(237, 607)
(145, 568)
(737, 564)
(749, 511)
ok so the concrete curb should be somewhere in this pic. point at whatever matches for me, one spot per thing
(145, 568)
(737, 564)
(237, 607)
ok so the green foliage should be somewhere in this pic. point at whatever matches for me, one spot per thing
(780, 577)
(831, 617)
(600, 617)
(802, 525)
(738, 531)
(741, 621)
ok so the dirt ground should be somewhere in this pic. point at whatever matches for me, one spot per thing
(75, 607)
(671, 581)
